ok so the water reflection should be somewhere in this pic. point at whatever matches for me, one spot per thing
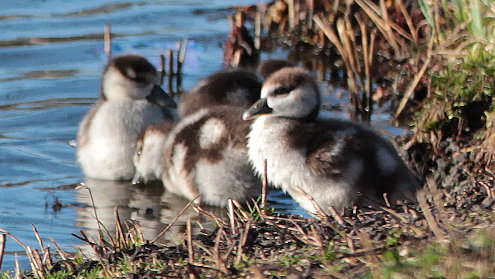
(149, 206)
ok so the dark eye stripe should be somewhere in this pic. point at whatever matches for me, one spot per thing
(139, 79)
(282, 90)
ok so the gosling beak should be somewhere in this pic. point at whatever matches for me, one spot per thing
(161, 98)
(137, 179)
(258, 108)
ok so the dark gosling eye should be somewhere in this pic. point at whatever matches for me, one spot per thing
(282, 90)
(139, 79)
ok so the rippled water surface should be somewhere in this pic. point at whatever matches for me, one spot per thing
(51, 59)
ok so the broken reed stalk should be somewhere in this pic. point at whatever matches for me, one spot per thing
(46, 250)
(182, 52)
(3, 237)
(38, 237)
(189, 242)
(35, 261)
(242, 242)
(170, 72)
(107, 36)
(162, 68)
(17, 268)
(119, 229)
(181, 57)
(264, 187)
(231, 216)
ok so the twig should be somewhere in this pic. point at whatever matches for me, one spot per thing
(216, 252)
(189, 242)
(60, 252)
(336, 216)
(17, 268)
(264, 187)
(14, 238)
(428, 215)
(317, 239)
(182, 51)
(409, 22)
(385, 198)
(175, 220)
(119, 234)
(181, 57)
(108, 40)
(242, 242)
(414, 83)
(231, 216)
(170, 72)
(47, 257)
(241, 211)
(38, 237)
(35, 260)
(320, 213)
(2, 248)
(436, 197)
(210, 215)
(162, 68)
(84, 186)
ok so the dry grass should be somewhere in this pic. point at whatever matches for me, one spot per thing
(429, 239)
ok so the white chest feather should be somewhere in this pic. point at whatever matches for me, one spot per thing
(108, 150)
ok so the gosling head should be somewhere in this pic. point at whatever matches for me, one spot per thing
(291, 93)
(132, 77)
